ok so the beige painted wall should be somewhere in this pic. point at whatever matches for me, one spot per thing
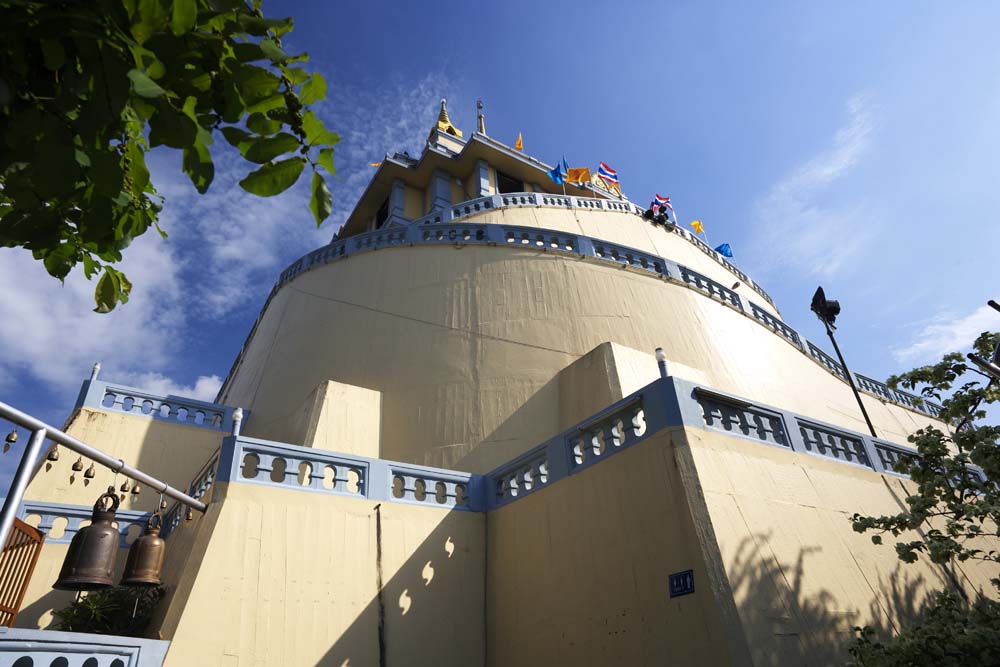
(173, 453)
(578, 572)
(285, 577)
(465, 345)
(413, 202)
(627, 230)
(337, 417)
(802, 578)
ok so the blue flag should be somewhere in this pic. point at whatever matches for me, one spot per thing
(558, 172)
(724, 250)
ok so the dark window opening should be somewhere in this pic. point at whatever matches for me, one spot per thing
(507, 183)
(382, 215)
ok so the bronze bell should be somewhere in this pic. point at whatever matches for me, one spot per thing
(145, 557)
(90, 560)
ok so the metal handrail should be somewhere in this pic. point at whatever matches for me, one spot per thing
(30, 459)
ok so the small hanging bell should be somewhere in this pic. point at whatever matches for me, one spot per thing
(78, 465)
(90, 559)
(9, 440)
(124, 486)
(135, 489)
(145, 556)
(90, 472)
(189, 515)
(53, 454)
(163, 504)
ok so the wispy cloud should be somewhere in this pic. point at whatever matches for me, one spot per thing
(224, 252)
(235, 244)
(946, 333)
(793, 230)
(51, 336)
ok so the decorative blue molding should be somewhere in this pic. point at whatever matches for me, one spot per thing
(253, 461)
(483, 172)
(440, 190)
(103, 395)
(728, 415)
(440, 227)
(22, 647)
(775, 325)
(75, 515)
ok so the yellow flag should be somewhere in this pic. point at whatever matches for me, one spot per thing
(698, 229)
(375, 164)
(519, 144)
(578, 175)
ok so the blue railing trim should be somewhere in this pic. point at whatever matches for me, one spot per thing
(441, 227)
(142, 403)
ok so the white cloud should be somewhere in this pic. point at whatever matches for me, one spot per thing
(947, 333)
(204, 388)
(52, 335)
(792, 230)
(235, 244)
(224, 252)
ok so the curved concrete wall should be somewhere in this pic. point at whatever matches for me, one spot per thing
(465, 342)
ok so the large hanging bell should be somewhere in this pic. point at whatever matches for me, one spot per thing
(145, 557)
(90, 560)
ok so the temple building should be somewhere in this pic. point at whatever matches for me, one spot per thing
(447, 440)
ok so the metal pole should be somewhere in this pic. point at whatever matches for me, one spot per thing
(25, 469)
(68, 441)
(850, 378)
(661, 361)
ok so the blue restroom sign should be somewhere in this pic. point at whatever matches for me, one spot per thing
(682, 583)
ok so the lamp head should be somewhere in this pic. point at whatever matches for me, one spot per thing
(826, 309)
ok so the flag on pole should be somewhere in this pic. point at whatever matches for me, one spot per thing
(519, 144)
(558, 172)
(578, 175)
(698, 227)
(607, 174)
(664, 201)
(724, 250)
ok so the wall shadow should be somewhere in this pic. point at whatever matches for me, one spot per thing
(431, 610)
(787, 622)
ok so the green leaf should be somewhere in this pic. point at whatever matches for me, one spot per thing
(235, 136)
(325, 160)
(271, 49)
(185, 16)
(53, 53)
(266, 104)
(197, 162)
(273, 178)
(296, 75)
(143, 85)
(137, 170)
(316, 132)
(321, 202)
(313, 90)
(247, 52)
(60, 260)
(255, 83)
(106, 293)
(261, 124)
(265, 149)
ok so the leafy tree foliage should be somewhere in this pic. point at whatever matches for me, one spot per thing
(955, 512)
(121, 610)
(950, 635)
(88, 88)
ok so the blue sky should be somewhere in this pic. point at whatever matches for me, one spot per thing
(853, 145)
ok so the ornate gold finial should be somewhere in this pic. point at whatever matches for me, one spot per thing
(444, 123)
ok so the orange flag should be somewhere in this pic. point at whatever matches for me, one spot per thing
(519, 144)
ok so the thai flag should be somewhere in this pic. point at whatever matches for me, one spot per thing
(607, 174)
(664, 202)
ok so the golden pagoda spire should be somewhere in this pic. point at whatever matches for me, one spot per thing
(444, 123)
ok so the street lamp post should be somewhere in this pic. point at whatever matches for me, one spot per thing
(827, 310)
